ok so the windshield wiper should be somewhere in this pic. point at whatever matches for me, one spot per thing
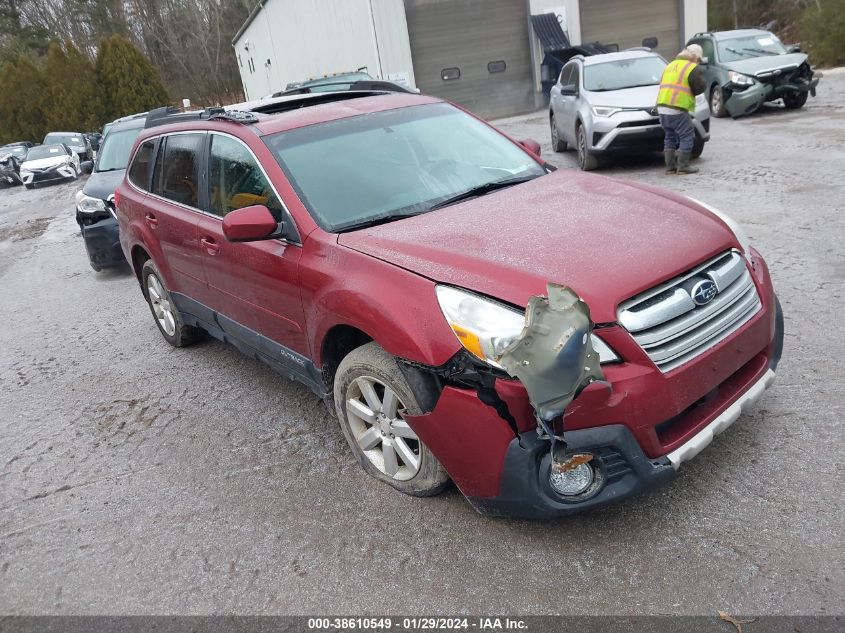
(733, 50)
(381, 219)
(760, 50)
(481, 190)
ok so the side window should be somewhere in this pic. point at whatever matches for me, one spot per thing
(176, 176)
(575, 80)
(236, 180)
(566, 74)
(707, 47)
(139, 172)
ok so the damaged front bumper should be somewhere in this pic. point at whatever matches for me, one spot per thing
(639, 433)
(746, 101)
(102, 240)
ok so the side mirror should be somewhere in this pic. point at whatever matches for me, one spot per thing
(650, 42)
(531, 145)
(705, 60)
(569, 90)
(86, 166)
(793, 48)
(250, 224)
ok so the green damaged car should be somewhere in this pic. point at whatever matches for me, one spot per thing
(746, 68)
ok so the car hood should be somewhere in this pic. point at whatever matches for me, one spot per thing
(639, 97)
(606, 239)
(756, 65)
(45, 163)
(101, 184)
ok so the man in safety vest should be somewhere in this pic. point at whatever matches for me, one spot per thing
(681, 81)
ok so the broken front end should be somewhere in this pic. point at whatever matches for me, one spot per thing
(558, 415)
(744, 94)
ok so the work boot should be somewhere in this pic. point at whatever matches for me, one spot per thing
(669, 156)
(683, 164)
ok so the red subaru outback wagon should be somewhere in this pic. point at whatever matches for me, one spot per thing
(383, 248)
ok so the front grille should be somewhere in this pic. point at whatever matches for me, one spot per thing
(673, 329)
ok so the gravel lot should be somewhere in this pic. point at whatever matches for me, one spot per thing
(136, 478)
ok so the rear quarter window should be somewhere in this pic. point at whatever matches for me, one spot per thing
(139, 171)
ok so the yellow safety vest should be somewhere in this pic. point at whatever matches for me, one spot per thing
(675, 90)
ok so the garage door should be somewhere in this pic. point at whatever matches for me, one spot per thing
(473, 52)
(628, 22)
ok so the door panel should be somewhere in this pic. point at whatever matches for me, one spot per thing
(255, 284)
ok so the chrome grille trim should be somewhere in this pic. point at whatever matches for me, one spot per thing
(673, 330)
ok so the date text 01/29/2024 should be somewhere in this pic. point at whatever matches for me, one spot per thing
(416, 624)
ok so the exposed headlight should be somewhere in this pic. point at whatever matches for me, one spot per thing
(605, 110)
(87, 204)
(485, 328)
(739, 233)
(739, 79)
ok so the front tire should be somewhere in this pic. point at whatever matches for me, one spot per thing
(697, 148)
(717, 102)
(794, 100)
(167, 317)
(372, 399)
(586, 161)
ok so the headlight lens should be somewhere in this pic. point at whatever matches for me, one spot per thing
(739, 233)
(739, 79)
(605, 110)
(87, 204)
(485, 328)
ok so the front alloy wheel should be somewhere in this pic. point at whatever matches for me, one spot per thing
(372, 399)
(586, 161)
(717, 102)
(375, 415)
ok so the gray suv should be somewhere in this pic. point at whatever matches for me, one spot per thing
(605, 104)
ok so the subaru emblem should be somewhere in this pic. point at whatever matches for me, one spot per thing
(704, 292)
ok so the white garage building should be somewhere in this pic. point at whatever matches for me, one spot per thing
(482, 54)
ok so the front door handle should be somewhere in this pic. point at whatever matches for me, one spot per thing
(211, 247)
(152, 220)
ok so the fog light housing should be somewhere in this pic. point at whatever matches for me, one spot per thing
(572, 482)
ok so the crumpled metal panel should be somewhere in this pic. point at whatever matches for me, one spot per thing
(553, 356)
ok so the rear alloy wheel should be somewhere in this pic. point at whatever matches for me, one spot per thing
(794, 100)
(717, 102)
(372, 399)
(586, 161)
(167, 317)
(558, 144)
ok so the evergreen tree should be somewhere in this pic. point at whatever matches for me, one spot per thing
(22, 102)
(127, 82)
(71, 82)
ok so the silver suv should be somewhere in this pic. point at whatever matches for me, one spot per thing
(605, 104)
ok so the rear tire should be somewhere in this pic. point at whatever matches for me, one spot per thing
(164, 311)
(794, 100)
(717, 102)
(371, 399)
(558, 144)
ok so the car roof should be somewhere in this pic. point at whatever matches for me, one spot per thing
(727, 35)
(613, 57)
(299, 111)
(128, 124)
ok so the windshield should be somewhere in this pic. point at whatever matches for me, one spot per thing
(45, 151)
(624, 73)
(750, 46)
(67, 139)
(114, 152)
(356, 170)
(14, 150)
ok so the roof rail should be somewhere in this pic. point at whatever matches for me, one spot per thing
(296, 101)
(169, 114)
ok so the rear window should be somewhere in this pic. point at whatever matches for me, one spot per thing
(139, 173)
(176, 170)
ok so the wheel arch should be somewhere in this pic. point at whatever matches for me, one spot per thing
(338, 341)
(139, 258)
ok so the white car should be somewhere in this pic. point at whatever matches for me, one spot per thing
(49, 163)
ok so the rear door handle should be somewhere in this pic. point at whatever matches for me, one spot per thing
(211, 247)
(152, 220)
